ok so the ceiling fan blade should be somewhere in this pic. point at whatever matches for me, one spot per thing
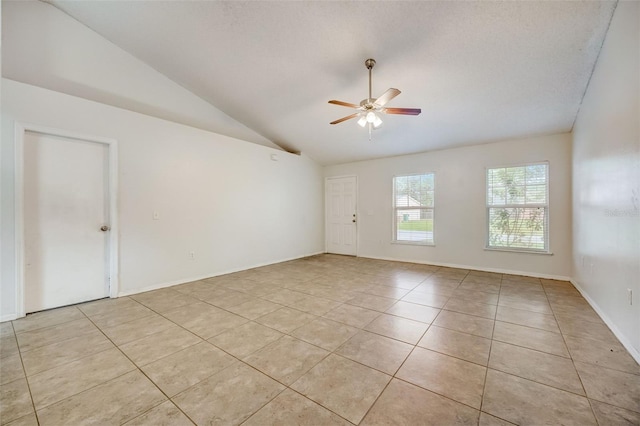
(348, 117)
(386, 97)
(347, 104)
(403, 111)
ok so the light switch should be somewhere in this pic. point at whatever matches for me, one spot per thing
(156, 215)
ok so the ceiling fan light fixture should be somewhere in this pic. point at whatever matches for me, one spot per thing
(370, 109)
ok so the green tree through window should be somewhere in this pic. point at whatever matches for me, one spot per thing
(517, 207)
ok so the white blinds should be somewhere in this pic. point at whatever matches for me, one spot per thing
(517, 207)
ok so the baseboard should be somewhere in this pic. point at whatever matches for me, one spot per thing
(158, 286)
(621, 337)
(9, 317)
(476, 268)
(165, 284)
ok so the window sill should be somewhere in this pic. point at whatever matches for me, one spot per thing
(412, 243)
(545, 253)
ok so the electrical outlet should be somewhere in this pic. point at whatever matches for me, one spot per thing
(192, 255)
(630, 296)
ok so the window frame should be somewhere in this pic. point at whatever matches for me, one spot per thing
(394, 208)
(545, 206)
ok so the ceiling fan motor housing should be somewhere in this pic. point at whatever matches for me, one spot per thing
(367, 103)
(370, 106)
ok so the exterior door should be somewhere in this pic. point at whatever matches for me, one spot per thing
(341, 215)
(65, 206)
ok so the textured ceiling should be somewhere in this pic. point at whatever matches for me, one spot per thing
(480, 71)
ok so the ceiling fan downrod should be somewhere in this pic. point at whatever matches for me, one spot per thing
(369, 63)
(370, 108)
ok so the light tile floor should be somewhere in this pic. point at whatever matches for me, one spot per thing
(324, 340)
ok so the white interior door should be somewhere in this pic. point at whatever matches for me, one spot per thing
(65, 206)
(341, 215)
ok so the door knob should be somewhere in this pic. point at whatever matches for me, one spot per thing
(104, 228)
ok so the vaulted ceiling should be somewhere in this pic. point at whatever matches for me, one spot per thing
(480, 71)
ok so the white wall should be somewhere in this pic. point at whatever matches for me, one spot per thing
(45, 47)
(606, 181)
(220, 197)
(460, 209)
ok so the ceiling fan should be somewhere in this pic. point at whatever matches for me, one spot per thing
(370, 109)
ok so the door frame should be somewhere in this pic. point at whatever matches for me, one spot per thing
(326, 211)
(112, 253)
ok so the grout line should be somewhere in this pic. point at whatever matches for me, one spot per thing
(137, 367)
(439, 394)
(79, 357)
(54, 342)
(493, 415)
(393, 376)
(230, 354)
(321, 406)
(486, 372)
(277, 288)
(305, 372)
(378, 397)
(529, 327)
(593, 413)
(156, 406)
(26, 378)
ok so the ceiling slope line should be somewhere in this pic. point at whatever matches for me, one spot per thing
(595, 63)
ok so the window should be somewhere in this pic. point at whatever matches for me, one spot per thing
(518, 208)
(413, 208)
